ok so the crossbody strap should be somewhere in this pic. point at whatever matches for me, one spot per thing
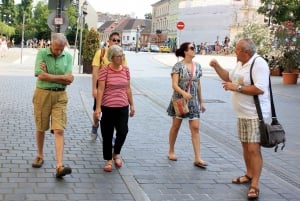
(256, 99)
(102, 53)
(191, 77)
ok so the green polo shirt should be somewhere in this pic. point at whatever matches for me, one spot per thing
(60, 65)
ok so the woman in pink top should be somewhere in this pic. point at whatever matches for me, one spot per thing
(115, 102)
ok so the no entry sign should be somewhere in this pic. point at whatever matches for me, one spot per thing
(180, 25)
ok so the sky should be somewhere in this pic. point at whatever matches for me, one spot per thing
(132, 7)
(138, 7)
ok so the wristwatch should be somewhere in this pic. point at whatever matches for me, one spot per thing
(239, 89)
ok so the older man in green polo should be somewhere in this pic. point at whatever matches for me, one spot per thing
(53, 69)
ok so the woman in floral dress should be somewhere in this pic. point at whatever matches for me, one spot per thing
(181, 73)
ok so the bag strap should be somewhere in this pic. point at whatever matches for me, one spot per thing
(191, 77)
(102, 54)
(256, 99)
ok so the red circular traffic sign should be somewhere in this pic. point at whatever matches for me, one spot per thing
(180, 25)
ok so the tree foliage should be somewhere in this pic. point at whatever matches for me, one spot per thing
(8, 12)
(91, 45)
(284, 16)
(148, 16)
(6, 30)
(72, 28)
(7, 18)
(258, 33)
(281, 10)
(35, 20)
(39, 24)
(288, 45)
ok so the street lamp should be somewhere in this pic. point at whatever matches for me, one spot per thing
(82, 20)
(137, 39)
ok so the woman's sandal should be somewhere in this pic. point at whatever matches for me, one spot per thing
(239, 180)
(172, 157)
(108, 166)
(201, 164)
(118, 162)
(253, 193)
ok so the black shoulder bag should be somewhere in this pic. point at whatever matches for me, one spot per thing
(271, 135)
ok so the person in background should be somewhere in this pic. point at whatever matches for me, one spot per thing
(53, 69)
(226, 45)
(238, 82)
(115, 102)
(3, 47)
(181, 73)
(100, 60)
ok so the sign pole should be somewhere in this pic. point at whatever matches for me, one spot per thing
(178, 41)
(180, 25)
(58, 15)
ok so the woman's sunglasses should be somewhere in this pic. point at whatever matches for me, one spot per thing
(192, 48)
(116, 40)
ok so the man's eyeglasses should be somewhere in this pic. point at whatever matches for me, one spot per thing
(192, 48)
(115, 40)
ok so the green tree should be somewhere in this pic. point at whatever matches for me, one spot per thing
(285, 18)
(7, 18)
(258, 33)
(72, 27)
(72, 15)
(24, 11)
(281, 10)
(39, 27)
(148, 16)
(8, 12)
(24, 8)
(91, 45)
(36, 18)
(6, 30)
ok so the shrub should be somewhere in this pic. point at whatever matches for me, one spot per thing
(91, 45)
(260, 35)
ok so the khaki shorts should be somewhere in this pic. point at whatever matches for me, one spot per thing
(50, 107)
(248, 130)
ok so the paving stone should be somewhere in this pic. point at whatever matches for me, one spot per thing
(147, 174)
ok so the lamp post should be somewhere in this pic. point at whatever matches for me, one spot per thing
(82, 20)
(22, 41)
(137, 39)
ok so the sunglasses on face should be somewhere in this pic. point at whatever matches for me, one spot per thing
(115, 40)
(192, 48)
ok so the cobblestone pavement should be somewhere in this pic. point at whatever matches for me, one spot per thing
(147, 174)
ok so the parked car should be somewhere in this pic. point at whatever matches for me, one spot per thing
(144, 49)
(154, 48)
(164, 49)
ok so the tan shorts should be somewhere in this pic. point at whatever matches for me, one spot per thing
(50, 107)
(248, 130)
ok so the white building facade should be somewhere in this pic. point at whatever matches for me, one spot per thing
(206, 21)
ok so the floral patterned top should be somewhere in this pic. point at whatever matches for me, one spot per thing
(184, 76)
